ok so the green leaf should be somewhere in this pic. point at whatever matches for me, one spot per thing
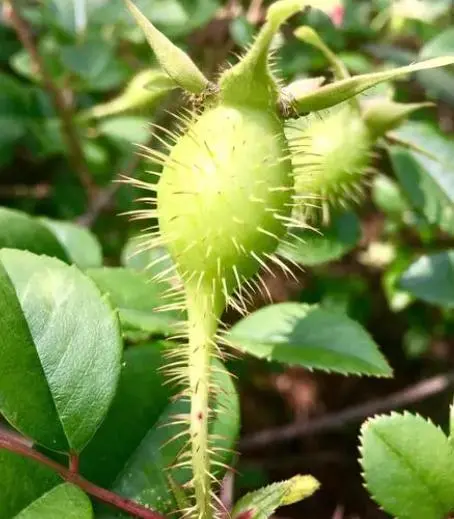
(87, 59)
(397, 298)
(126, 129)
(60, 350)
(141, 397)
(137, 299)
(425, 172)
(22, 481)
(312, 248)
(431, 278)
(144, 478)
(335, 93)
(442, 44)
(20, 231)
(387, 196)
(309, 336)
(175, 63)
(66, 501)
(137, 257)
(408, 466)
(262, 503)
(81, 246)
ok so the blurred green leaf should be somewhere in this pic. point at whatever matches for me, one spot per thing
(80, 245)
(426, 177)
(441, 45)
(23, 481)
(408, 466)
(126, 129)
(66, 501)
(242, 31)
(60, 350)
(144, 477)
(20, 231)
(141, 397)
(94, 62)
(387, 197)
(398, 299)
(309, 336)
(137, 299)
(431, 278)
(137, 257)
(310, 247)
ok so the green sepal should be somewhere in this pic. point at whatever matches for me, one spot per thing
(175, 63)
(311, 37)
(143, 91)
(335, 93)
(262, 503)
(383, 115)
(251, 81)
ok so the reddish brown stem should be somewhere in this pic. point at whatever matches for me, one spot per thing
(13, 444)
(74, 462)
(62, 108)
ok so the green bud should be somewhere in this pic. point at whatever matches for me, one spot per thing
(335, 93)
(175, 63)
(251, 81)
(143, 91)
(311, 37)
(383, 115)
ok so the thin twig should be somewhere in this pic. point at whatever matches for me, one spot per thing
(105, 196)
(38, 191)
(62, 108)
(409, 395)
(11, 443)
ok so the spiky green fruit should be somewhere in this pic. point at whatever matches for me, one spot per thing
(330, 155)
(224, 197)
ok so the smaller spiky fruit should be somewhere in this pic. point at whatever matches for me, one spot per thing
(331, 154)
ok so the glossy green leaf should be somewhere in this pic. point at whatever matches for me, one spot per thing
(20, 231)
(144, 478)
(141, 397)
(60, 350)
(425, 172)
(66, 501)
(310, 247)
(431, 278)
(80, 245)
(137, 299)
(262, 503)
(335, 93)
(22, 482)
(175, 63)
(309, 336)
(408, 466)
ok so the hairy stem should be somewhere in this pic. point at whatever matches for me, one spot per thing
(202, 329)
(12, 443)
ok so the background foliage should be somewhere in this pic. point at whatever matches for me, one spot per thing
(68, 118)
